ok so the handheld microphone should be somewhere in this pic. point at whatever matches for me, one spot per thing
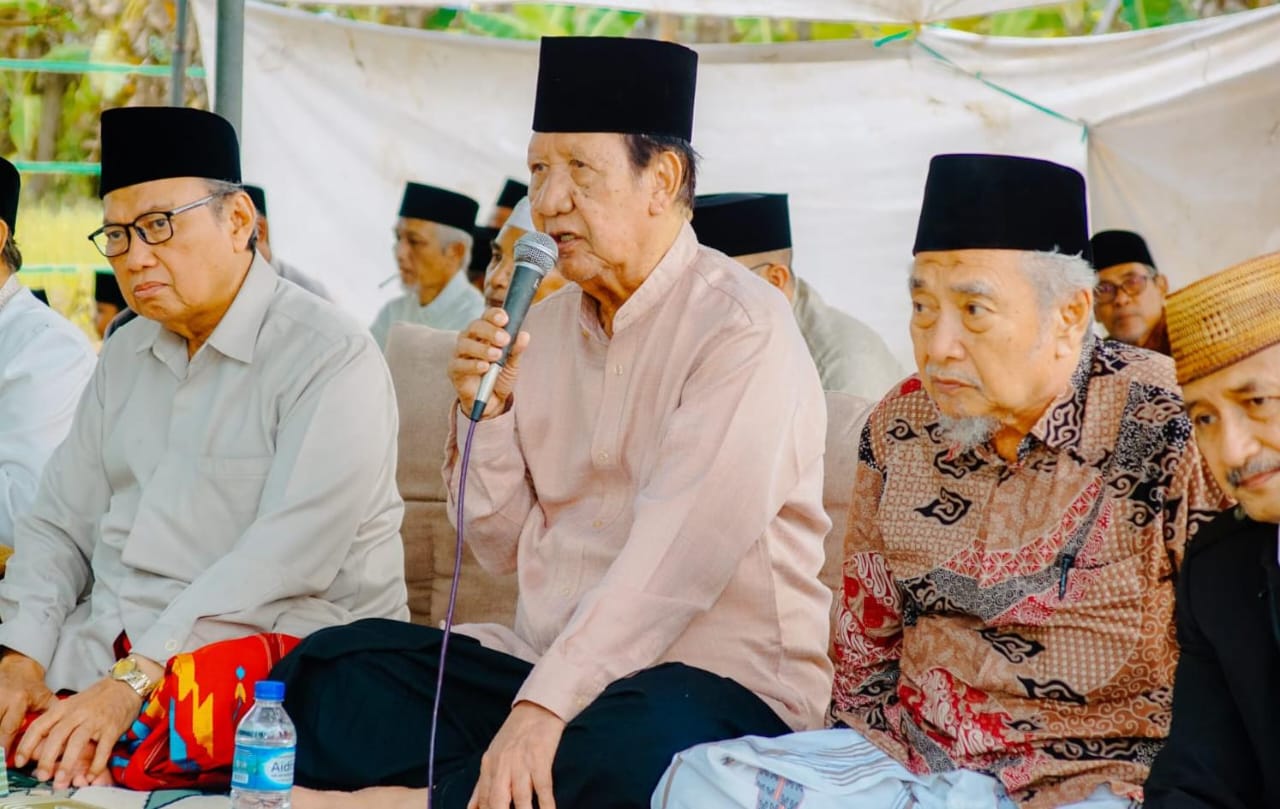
(536, 254)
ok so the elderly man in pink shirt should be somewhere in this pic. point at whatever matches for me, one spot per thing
(649, 465)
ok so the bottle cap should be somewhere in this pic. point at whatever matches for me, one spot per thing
(269, 690)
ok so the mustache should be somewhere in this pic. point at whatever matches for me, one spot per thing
(932, 370)
(1260, 465)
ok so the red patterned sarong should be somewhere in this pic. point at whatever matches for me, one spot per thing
(185, 735)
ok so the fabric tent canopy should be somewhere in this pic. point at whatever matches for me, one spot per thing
(872, 11)
(1176, 130)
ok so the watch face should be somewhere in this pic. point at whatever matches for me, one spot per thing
(123, 668)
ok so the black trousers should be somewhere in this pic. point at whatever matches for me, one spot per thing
(361, 698)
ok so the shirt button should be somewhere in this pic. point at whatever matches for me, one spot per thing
(585, 333)
(617, 370)
(598, 524)
(604, 457)
(171, 646)
(566, 592)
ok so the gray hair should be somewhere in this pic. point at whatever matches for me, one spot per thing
(449, 236)
(1056, 277)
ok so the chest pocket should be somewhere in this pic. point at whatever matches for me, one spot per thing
(182, 529)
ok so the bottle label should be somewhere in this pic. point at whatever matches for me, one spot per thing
(265, 769)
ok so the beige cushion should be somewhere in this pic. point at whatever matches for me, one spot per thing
(846, 416)
(418, 357)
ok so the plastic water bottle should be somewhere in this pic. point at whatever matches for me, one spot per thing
(262, 773)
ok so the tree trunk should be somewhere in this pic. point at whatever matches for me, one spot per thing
(54, 86)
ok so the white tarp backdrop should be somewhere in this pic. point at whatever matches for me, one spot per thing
(873, 11)
(1183, 137)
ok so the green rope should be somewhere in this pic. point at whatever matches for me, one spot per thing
(882, 41)
(1005, 91)
(57, 167)
(977, 76)
(60, 66)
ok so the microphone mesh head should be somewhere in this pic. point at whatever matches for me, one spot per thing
(538, 250)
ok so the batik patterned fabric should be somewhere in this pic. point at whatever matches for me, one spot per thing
(186, 733)
(1016, 619)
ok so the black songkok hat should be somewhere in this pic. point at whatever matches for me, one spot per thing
(439, 206)
(141, 144)
(10, 185)
(743, 224)
(999, 202)
(258, 196)
(106, 290)
(512, 193)
(610, 84)
(482, 247)
(1112, 247)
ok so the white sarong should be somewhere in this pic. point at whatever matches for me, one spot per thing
(826, 769)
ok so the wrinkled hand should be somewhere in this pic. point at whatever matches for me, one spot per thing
(22, 690)
(517, 764)
(59, 740)
(479, 346)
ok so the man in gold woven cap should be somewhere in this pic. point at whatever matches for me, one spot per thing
(1225, 739)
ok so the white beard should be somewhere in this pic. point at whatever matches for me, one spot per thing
(968, 432)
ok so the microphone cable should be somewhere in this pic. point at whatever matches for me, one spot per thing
(535, 255)
(449, 613)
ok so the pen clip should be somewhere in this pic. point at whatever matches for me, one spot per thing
(1064, 566)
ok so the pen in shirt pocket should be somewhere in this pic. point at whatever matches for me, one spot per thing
(1068, 559)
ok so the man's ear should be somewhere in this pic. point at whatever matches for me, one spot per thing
(456, 252)
(244, 219)
(4, 234)
(779, 275)
(667, 177)
(1162, 282)
(1074, 316)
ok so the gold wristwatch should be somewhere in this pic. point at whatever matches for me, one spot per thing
(127, 671)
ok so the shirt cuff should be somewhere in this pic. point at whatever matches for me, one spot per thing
(561, 686)
(31, 638)
(498, 432)
(161, 642)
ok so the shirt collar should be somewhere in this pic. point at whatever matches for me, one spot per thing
(452, 294)
(1061, 425)
(679, 256)
(9, 289)
(236, 334)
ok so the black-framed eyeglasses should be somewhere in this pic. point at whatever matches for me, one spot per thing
(153, 227)
(1133, 285)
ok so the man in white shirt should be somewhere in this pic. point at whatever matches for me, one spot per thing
(230, 470)
(44, 365)
(433, 249)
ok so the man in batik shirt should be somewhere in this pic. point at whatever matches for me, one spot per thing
(1020, 508)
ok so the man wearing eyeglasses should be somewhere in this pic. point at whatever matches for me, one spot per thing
(229, 474)
(755, 231)
(1129, 298)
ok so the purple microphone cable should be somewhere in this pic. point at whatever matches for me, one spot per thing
(448, 616)
(535, 255)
